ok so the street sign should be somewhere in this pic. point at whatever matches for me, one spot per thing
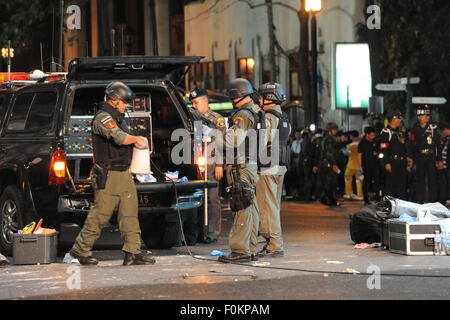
(414, 80)
(429, 100)
(390, 87)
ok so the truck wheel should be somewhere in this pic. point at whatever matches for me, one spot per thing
(158, 233)
(11, 214)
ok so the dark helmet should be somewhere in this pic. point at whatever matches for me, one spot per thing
(423, 110)
(117, 90)
(273, 92)
(395, 114)
(239, 88)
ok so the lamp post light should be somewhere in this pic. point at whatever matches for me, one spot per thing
(314, 6)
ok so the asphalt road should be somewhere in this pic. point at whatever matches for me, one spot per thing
(318, 265)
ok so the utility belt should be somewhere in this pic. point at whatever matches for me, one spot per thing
(241, 194)
(426, 151)
(100, 172)
(398, 157)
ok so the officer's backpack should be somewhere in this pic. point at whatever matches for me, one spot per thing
(283, 138)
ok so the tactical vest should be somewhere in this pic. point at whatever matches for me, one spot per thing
(283, 139)
(259, 122)
(106, 152)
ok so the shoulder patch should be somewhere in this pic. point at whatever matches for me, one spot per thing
(237, 120)
(221, 122)
(108, 122)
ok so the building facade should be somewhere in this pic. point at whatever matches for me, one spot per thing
(234, 38)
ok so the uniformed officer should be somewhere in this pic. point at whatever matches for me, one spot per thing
(369, 150)
(393, 147)
(424, 141)
(270, 184)
(328, 165)
(199, 99)
(112, 181)
(307, 158)
(244, 231)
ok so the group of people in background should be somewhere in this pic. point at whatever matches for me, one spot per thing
(409, 164)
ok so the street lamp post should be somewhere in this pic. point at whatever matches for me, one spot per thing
(314, 6)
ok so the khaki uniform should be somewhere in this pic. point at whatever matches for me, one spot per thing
(268, 191)
(214, 206)
(243, 237)
(119, 193)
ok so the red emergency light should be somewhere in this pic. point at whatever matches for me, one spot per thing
(15, 76)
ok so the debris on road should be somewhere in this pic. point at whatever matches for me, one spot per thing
(68, 259)
(216, 253)
(350, 270)
(3, 260)
(335, 262)
(362, 245)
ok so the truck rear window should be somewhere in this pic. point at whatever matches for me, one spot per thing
(32, 113)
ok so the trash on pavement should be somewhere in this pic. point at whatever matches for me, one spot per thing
(3, 260)
(216, 253)
(350, 270)
(362, 245)
(262, 264)
(335, 262)
(68, 259)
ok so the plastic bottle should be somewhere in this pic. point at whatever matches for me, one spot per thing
(437, 243)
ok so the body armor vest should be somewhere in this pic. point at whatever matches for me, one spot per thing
(106, 152)
(259, 122)
(283, 138)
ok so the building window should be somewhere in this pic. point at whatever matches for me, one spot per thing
(245, 67)
(294, 84)
(202, 75)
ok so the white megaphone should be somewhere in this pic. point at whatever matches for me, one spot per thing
(140, 163)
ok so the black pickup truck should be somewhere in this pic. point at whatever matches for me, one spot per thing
(46, 147)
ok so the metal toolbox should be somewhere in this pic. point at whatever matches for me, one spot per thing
(35, 248)
(412, 238)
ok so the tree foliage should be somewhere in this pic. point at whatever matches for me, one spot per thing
(414, 40)
(18, 18)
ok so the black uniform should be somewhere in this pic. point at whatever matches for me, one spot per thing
(371, 167)
(424, 150)
(444, 173)
(307, 159)
(393, 147)
(329, 157)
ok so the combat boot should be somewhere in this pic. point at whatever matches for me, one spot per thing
(137, 259)
(235, 257)
(85, 261)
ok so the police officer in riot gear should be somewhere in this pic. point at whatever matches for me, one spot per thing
(424, 141)
(241, 172)
(199, 99)
(270, 184)
(394, 150)
(112, 181)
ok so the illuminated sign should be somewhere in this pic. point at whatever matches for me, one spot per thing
(353, 76)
